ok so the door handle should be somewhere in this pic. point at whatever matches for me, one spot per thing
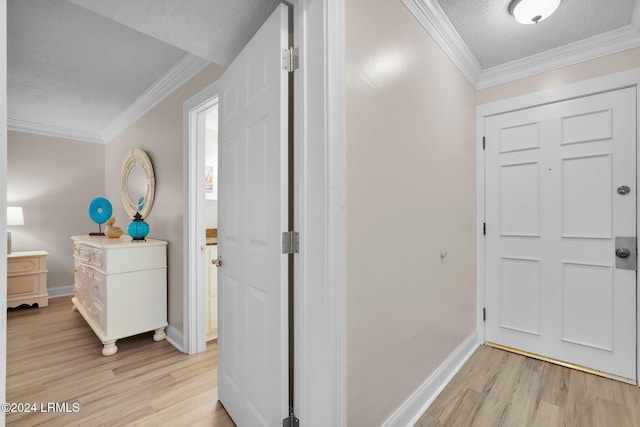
(623, 253)
(217, 262)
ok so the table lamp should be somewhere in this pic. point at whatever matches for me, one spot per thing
(14, 217)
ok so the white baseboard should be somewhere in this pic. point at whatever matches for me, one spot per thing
(174, 336)
(411, 410)
(60, 291)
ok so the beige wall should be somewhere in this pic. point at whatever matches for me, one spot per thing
(410, 196)
(160, 133)
(54, 180)
(603, 66)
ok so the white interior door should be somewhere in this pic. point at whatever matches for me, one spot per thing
(253, 201)
(553, 212)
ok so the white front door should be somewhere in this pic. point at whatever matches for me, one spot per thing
(552, 214)
(253, 199)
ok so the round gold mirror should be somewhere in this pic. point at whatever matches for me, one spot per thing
(138, 183)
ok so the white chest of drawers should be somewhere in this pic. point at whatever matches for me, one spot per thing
(120, 287)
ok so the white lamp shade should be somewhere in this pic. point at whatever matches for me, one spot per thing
(14, 215)
(532, 11)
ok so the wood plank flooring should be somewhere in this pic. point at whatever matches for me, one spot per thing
(497, 388)
(53, 356)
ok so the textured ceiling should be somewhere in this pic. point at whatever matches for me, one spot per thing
(215, 30)
(79, 64)
(71, 68)
(495, 38)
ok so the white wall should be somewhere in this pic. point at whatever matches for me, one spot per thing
(54, 180)
(160, 133)
(410, 196)
(211, 206)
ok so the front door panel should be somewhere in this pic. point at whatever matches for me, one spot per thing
(553, 212)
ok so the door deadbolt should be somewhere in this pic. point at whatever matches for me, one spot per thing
(623, 189)
(623, 253)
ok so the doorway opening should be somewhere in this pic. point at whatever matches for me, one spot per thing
(211, 221)
(201, 117)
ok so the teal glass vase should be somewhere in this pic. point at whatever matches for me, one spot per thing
(138, 229)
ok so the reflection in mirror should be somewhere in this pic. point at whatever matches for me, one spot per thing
(138, 183)
(137, 187)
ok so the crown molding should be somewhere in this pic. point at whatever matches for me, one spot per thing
(584, 50)
(183, 71)
(53, 131)
(433, 19)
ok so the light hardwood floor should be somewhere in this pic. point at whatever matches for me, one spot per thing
(497, 388)
(53, 356)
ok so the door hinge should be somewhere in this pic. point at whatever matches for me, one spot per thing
(484, 142)
(484, 314)
(484, 228)
(290, 242)
(291, 420)
(290, 59)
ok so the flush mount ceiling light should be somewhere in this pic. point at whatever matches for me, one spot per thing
(532, 11)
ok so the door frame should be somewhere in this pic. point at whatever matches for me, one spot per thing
(624, 79)
(319, 216)
(195, 110)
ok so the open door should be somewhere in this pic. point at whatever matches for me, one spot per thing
(253, 199)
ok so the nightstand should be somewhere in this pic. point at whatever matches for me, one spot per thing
(27, 278)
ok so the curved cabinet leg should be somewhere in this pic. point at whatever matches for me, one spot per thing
(74, 308)
(110, 348)
(159, 335)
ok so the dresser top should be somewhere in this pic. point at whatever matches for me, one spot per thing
(21, 254)
(120, 242)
